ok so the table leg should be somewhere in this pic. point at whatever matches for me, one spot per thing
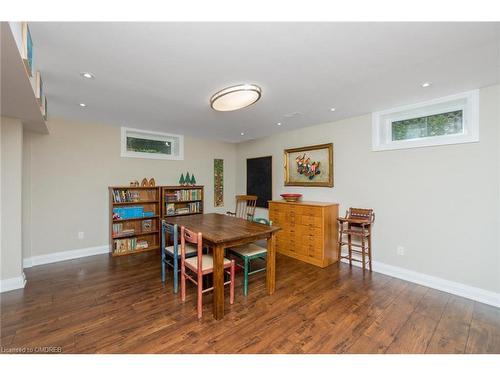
(271, 264)
(218, 253)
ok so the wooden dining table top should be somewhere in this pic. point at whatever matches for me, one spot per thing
(219, 228)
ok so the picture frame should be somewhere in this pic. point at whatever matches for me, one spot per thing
(309, 166)
(27, 50)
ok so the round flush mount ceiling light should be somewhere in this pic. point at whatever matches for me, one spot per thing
(83, 105)
(235, 97)
(426, 84)
(87, 75)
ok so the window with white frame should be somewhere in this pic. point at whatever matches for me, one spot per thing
(449, 120)
(136, 143)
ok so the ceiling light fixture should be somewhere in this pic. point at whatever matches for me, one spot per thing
(83, 105)
(87, 75)
(332, 109)
(426, 84)
(242, 133)
(278, 123)
(235, 97)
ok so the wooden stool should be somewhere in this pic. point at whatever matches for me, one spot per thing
(359, 223)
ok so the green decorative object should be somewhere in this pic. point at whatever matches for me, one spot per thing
(188, 179)
(182, 181)
(193, 180)
(218, 182)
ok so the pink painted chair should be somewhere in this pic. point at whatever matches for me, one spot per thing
(199, 266)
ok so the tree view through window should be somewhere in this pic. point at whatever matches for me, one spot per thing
(149, 146)
(428, 126)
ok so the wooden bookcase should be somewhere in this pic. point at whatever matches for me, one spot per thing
(176, 199)
(135, 229)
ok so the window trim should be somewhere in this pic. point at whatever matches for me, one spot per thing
(382, 139)
(146, 155)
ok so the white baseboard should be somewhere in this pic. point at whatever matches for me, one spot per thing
(13, 283)
(462, 290)
(64, 255)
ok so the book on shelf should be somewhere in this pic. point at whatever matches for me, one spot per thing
(147, 225)
(122, 246)
(118, 230)
(183, 195)
(126, 196)
(170, 209)
(143, 244)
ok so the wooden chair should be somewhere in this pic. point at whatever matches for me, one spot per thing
(170, 255)
(199, 266)
(245, 207)
(249, 252)
(357, 222)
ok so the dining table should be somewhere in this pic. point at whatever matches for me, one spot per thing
(220, 232)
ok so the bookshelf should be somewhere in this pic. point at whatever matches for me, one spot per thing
(182, 200)
(134, 215)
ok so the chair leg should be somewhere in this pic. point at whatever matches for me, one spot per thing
(349, 238)
(231, 286)
(183, 283)
(370, 251)
(363, 251)
(246, 268)
(340, 242)
(163, 267)
(200, 295)
(176, 275)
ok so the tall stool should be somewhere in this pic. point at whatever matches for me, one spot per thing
(357, 222)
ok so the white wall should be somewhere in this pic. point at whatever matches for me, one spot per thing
(440, 203)
(11, 206)
(72, 168)
(26, 196)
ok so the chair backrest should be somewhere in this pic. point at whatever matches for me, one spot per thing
(361, 213)
(172, 230)
(195, 239)
(245, 206)
(262, 220)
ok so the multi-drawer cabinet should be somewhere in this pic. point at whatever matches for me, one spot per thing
(309, 230)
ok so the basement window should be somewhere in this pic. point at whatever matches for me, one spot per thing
(449, 120)
(136, 143)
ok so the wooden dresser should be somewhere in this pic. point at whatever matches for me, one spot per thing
(309, 230)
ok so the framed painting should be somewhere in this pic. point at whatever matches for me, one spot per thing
(309, 166)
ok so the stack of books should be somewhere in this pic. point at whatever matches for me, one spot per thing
(122, 246)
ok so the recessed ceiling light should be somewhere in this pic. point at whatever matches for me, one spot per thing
(426, 84)
(242, 133)
(87, 75)
(235, 97)
(332, 109)
(278, 123)
(83, 105)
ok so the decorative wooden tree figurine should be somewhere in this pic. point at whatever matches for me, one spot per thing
(181, 180)
(193, 180)
(188, 179)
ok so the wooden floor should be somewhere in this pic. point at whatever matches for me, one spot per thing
(118, 305)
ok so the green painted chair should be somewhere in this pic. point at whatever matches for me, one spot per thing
(249, 252)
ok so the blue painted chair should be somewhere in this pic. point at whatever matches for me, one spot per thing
(249, 252)
(171, 255)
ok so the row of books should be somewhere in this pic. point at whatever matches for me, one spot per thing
(131, 212)
(129, 244)
(183, 195)
(193, 207)
(118, 230)
(146, 226)
(123, 196)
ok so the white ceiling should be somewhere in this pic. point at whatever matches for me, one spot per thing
(160, 76)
